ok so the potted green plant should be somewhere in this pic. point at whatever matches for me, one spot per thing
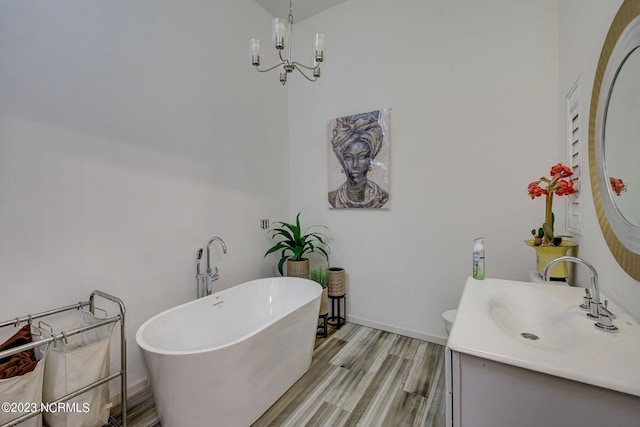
(321, 275)
(294, 243)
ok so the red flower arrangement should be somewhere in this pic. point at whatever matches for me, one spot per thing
(617, 185)
(556, 184)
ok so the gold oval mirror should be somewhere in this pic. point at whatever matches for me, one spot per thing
(614, 138)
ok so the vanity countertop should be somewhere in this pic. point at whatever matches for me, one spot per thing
(493, 313)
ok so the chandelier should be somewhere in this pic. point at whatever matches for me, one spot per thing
(283, 29)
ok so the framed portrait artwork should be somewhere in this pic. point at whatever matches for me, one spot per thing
(358, 172)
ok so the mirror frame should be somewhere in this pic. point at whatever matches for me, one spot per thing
(622, 238)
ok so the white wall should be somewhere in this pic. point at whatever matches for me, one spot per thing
(472, 88)
(583, 30)
(130, 133)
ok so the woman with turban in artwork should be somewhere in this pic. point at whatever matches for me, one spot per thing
(356, 140)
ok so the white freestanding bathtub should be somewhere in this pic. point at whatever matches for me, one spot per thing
(223, 360)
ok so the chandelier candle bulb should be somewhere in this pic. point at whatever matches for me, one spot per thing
(254, 50)
(279, 32)
(283, 75)
(318, 42)
(316, 67)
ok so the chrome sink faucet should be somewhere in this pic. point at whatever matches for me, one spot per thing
(211, 275)
(596, 309)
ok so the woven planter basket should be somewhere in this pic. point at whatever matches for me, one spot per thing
(336, 282)
(324, 303)
(298, 268)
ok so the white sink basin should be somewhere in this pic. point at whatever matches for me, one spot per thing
(534, 318)
(500, 319)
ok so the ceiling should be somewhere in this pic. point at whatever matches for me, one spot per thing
(301, 8)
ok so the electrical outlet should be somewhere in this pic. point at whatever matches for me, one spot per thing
(264, 224)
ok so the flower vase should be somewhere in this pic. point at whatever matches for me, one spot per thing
(545, 254)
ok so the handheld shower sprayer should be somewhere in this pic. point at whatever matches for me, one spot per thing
(198, 259)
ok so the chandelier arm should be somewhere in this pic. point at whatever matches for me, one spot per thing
(283, 61)
(269, 69)
(297, 64)
(301, 72)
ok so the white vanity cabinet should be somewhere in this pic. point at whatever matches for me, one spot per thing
(486, 393)
(522, 354)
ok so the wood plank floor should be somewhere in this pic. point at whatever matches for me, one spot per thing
(366, 377)
(358, 377)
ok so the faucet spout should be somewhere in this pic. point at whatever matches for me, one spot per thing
(224, 250)
(596, 310)
(594, 273)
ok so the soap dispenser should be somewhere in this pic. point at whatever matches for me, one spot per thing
(478, 258)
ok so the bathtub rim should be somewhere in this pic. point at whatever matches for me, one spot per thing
(150, 348)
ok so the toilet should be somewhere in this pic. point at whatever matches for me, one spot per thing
(449, 316)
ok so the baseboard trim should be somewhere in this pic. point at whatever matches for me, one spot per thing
(137, 388)
(132, 390)
(436, 339)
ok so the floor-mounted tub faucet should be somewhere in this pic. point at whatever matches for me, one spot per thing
(596, 309)
(211, 275)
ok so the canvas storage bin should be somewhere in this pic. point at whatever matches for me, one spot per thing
(75, 363)
(25, 389)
